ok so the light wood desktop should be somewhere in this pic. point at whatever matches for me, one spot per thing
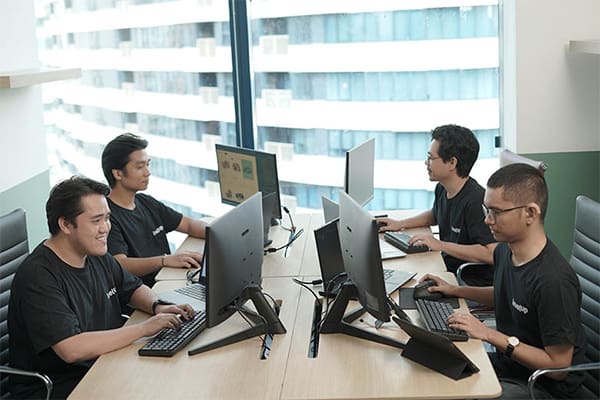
(351, 368)
(230, 372)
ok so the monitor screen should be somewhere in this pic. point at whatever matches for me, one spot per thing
(360, 169)
(243, 172)
(233, 256)
(359, 241)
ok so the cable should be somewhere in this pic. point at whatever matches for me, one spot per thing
(315, 282)
(191, 274)
(292, 239)
(292, 227)
(304, 285)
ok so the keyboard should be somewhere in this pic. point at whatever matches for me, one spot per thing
(435, 314)
(169, 341)
(400, 240)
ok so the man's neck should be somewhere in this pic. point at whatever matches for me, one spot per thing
(453, 185)
(123, 198)
(63, 250)
(526, 249)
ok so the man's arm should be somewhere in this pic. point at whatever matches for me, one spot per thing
(555, 356)
(141, 266)
(483, 295)
(423, 219)
(193, 227)
(89, 345)
(467, 252)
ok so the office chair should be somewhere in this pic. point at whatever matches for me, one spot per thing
(585, 260)
(14, 248)
(506, 157)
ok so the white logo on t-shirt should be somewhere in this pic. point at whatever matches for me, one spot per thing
(111, 293)
(519, 308)
(455, 229)
(158, 230)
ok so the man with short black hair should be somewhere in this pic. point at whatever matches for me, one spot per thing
(536, 294)
(66, 297)
(140, 223)
(463, 236)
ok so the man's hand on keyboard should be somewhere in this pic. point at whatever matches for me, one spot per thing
(468, 323)
(427, 239)
(185, 311)
(389, 224)
(183, 259)
(158, 322)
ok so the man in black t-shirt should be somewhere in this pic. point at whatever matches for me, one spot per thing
(463, 236)
(536, 294)
(138, 239)
(66, 297)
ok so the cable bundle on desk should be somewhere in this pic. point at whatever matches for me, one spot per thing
(294, 234)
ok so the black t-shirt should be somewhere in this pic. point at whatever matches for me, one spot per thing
(52, 301)
(540, 303)
(460, 219)
(142, 232)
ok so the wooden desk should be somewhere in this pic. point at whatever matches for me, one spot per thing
(230, 372)
(275, 264)
(350, 368)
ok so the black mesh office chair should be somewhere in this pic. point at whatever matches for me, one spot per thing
(14, 247)
(506, 157)
(585, 260)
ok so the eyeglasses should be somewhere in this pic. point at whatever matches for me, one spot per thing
(428, 159)
(493, 213)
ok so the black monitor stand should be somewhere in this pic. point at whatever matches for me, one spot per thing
(336, 323)
(264, 313)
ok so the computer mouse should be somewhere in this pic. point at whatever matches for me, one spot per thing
(421, 291)
(381, 224)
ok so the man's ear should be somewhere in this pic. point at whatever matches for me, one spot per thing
(64, 225)
(533, 210)
(117, 174)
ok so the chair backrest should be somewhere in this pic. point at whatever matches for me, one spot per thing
(508, 157)
(585, 260)
(14, 247)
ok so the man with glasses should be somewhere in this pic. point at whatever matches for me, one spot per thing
(463, 236)
(536, 294)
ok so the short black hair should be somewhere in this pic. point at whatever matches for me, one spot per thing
(116, 154)
(64, 200)
(522, 184)
(460, 142)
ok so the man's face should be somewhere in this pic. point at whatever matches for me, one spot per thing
(437, 169)
(136, 174)
(89, 234)
(505, 219)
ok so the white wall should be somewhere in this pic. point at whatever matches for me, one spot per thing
(21, 113)
(557, 92)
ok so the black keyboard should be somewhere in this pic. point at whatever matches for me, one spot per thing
(169, 341)
(400, 240)
(435, 314)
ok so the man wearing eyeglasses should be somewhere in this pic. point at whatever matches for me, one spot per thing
(463, 236)
(536, 294)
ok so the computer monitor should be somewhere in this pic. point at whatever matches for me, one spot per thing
(233, 257)
(360, 170)
(243, 172)
(359, 242)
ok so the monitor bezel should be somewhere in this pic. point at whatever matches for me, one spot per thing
(360, 171)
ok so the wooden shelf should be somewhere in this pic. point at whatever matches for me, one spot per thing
(585, 46)
(22, 78)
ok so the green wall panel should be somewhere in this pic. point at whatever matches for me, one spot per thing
(31, 195)
(568, 175)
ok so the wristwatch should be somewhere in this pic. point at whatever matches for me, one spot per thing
(160, 302)
(513, 342)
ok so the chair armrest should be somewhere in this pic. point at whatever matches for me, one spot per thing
(465, 266)
(573, 368)
(44, 378)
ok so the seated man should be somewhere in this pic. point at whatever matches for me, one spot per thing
(457, 205)
(140, 223)
(536, 293)
(66, 297)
